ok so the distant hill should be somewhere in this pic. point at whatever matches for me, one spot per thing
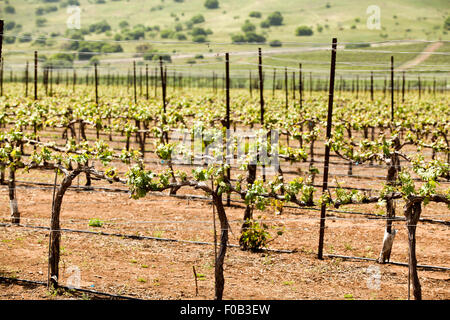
(188, 26)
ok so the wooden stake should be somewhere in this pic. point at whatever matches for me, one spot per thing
(163, 83)
(327, 147)
(227, 83)
(155, 82)
(357, 87)
(35, 74)
(146, 81)
(434, 86)
(286, 87)
(1, 37)
(228, 123)
(1, 57)
(420, 88)
(261, 99)
(1, 76)
(134, 82)
(45, 78)
(26, 80)
(140, 82)
(51, 79)
(392, 89)
(74, 81)
(261, 87)
(96, 84)
(250, 83)
(274, 82)
(403, 87)
(293, 85)
(300, 85)
(371, 85)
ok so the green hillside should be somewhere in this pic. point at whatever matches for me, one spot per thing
(186, 29)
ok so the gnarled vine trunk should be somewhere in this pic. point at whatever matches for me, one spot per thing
(350, 164)
(55, 232)
(389, 234)
(219, 277)
(2, 174)
(248, 213)
(412, 214)
(15, 214)
(311, 126)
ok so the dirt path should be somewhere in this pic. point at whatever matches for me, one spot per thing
(426, 53)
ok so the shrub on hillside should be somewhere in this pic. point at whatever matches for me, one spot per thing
(197, 19)
(275, 43)
(154, 55)
(167, 33)
(265, 24)
(199, 38)
(356, 45)
(181, 36)
(447, 23)
(212, 4)
(10, 25)
(248, 37)
(275, 18)
(303, 31)
(248, 27)
(10, 10)
(99, 27)
(255, 14)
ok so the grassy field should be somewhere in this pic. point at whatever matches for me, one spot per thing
(423, 19)
(346, 20)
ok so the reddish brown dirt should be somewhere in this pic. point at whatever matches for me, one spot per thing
(152, 269)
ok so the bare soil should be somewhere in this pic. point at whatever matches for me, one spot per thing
(153, 269)
(426, 53)
(158, 269)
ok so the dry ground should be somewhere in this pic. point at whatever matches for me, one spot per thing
(152, 269)
(155, 269)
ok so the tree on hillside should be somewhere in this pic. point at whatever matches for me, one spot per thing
(248, 37)
(303, 31)
(275, 43)
(40, 22)
(60, 61)
(255, 14)
(265, 24)
(248, 27)
(10, 25)
(99, 27)
(197, 19)
(123, 24)
(10, 10)
(275, 18)
(153, 55)
(212, 4)
(447, 23)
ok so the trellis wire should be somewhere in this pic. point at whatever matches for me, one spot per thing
(439, 268)
(12, 279)
(203, 198)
